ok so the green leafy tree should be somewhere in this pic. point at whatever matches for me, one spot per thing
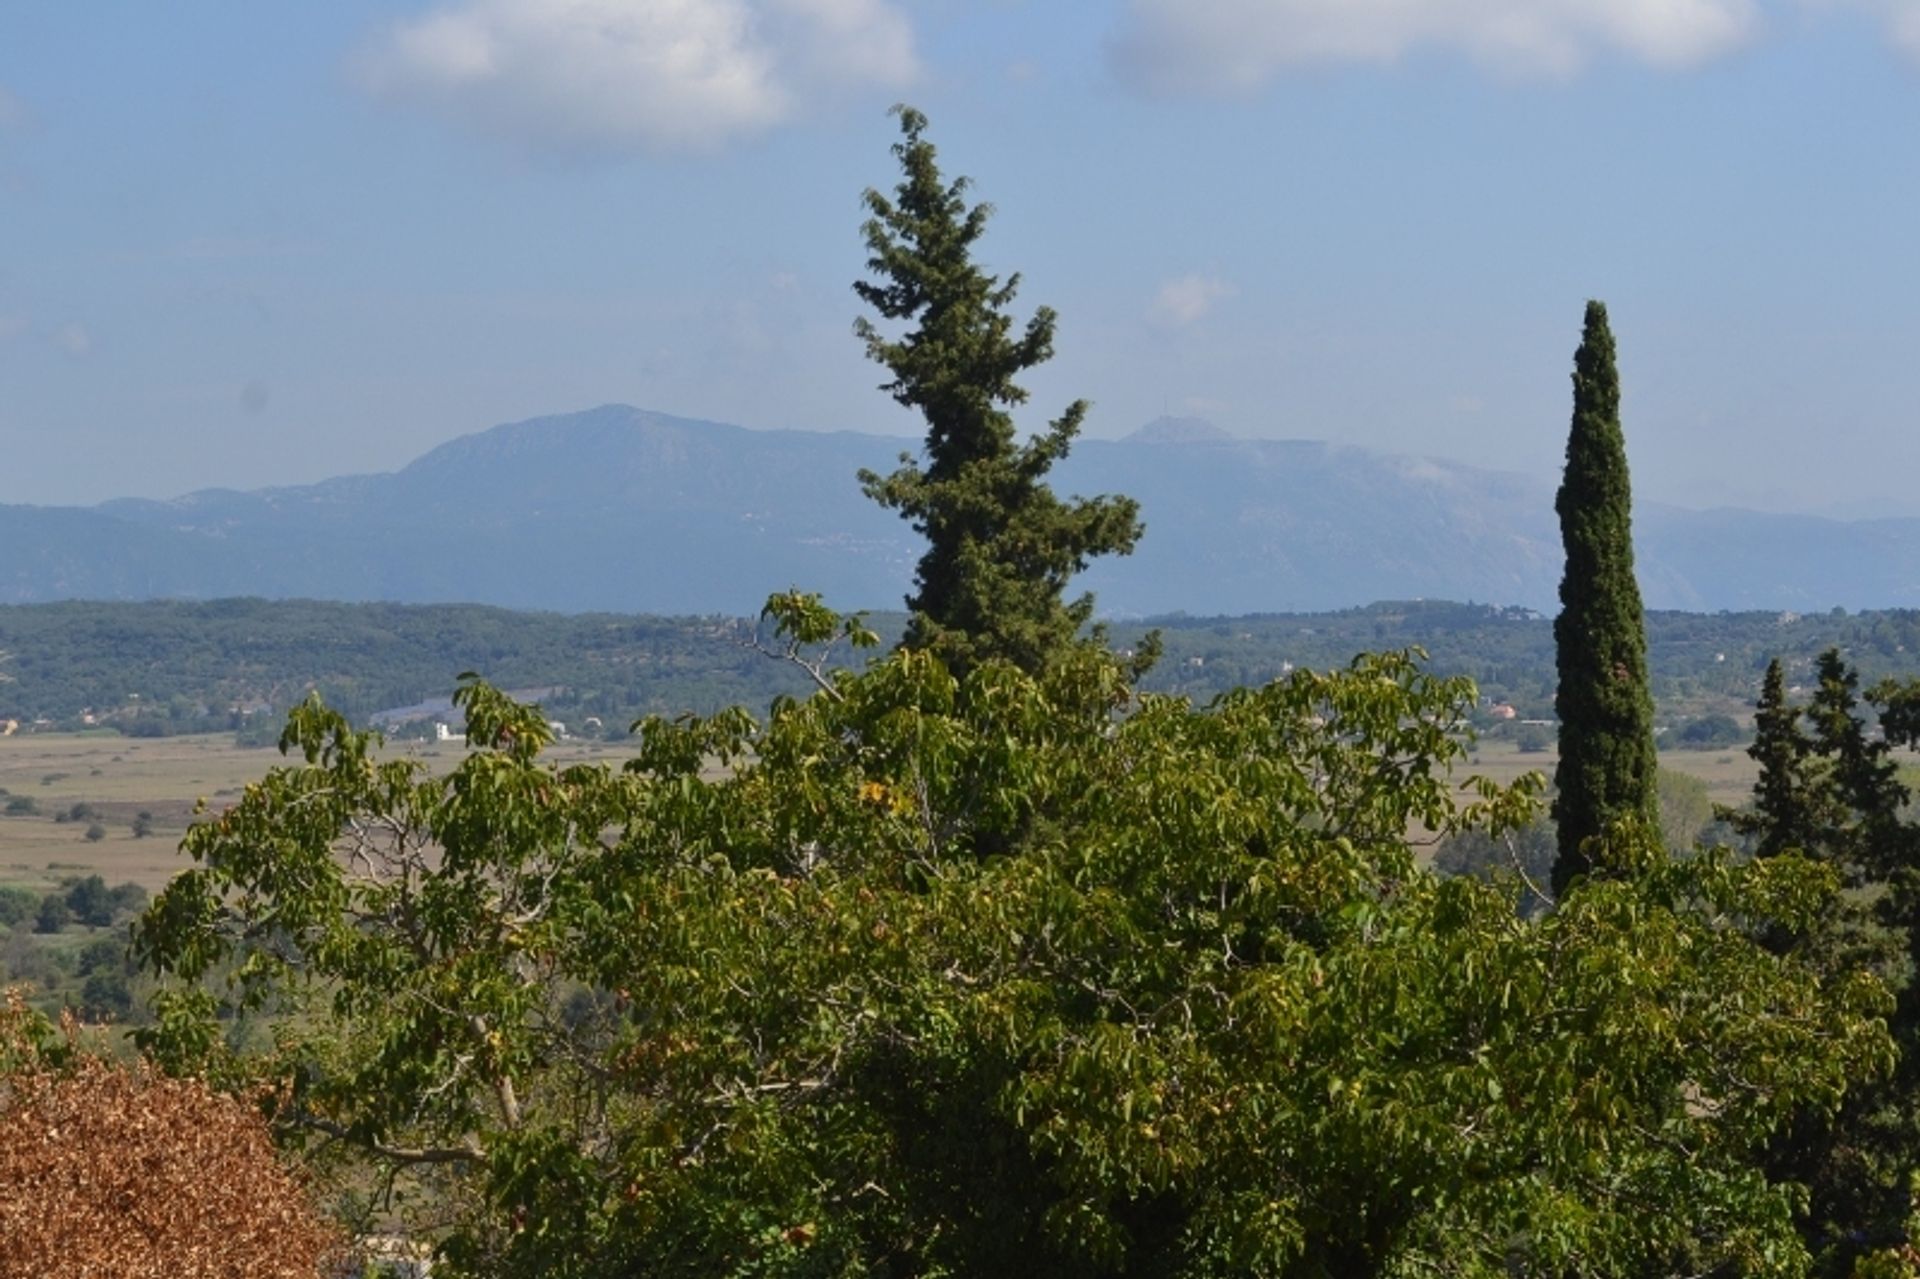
(54, 914)
(1001, 546)
(16, 904)
(945, 977)
(91, 901)
(1608, 768)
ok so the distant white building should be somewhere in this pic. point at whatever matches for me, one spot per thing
(441, 733)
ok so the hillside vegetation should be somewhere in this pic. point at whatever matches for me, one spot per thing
(169, 667)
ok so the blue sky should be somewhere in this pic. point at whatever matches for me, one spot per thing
(253, 244)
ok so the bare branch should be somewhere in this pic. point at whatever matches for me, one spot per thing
(472, 1152)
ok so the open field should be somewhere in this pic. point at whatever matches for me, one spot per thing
(120, 777)
(1728, 774)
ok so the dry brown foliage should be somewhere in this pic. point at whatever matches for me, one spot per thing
(110, 1171)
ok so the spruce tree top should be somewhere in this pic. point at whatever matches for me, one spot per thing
(1001, 546)
(1608, 769)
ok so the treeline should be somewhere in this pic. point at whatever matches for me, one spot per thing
(165, 667)
(168, 667)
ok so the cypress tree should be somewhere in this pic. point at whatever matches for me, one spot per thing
(1001, 546)
(1608, 769)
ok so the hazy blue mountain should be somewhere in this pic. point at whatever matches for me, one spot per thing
(621, 509)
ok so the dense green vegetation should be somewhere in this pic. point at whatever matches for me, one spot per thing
(70, 946)
(958, 977)
(182, 659)
(179, 667)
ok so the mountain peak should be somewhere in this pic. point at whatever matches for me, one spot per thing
(1179, 430)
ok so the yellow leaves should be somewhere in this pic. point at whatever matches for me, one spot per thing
(887, 799)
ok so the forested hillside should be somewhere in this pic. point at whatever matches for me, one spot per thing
(169, 667)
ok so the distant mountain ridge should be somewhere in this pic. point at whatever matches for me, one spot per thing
(623, 509)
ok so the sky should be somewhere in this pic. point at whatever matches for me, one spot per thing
(244, 244)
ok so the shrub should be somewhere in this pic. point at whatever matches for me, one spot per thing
(89, 899)
(54, 914)
(16, 904)
(114, 1170)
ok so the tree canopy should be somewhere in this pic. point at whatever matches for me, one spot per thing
(947, 977)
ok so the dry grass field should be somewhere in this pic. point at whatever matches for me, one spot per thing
(1728, 774)
(122, 777)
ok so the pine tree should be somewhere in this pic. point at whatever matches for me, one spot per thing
(1782, 815)
(1001, 546)
(1858, 819)
(1834, 793)
(1608, 768)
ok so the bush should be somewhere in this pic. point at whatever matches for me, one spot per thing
(114, 1170)
(1533, 739)
(95, 833)
(16, 904)
(1709, 732)
(89, 899)
(106, 996)
(54, 914)
(22, 806)
(128, 899)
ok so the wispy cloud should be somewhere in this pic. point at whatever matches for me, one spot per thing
(1900, 19)
(1187, 299)
(74, 339)
(657, 75)
(1236, 46)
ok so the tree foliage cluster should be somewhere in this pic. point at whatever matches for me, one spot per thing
(1829, 789)
(956, 977)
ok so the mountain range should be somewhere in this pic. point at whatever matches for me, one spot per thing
(621, 509)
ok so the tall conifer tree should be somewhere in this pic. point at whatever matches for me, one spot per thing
(1001, 546)
(1782, 815)
(1608, 768)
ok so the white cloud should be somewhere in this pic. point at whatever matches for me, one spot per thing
(651, 74)
(1236, 46)
(1901, 18)
(1188, 298)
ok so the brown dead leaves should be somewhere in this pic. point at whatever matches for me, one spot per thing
(116, 1172)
